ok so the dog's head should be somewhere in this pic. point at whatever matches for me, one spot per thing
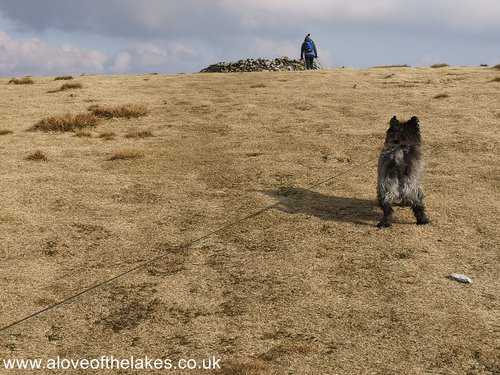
(404, 133)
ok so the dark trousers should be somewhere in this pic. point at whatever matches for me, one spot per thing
(309, 62)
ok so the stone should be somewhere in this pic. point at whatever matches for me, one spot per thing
(460, 278)
(257, 65)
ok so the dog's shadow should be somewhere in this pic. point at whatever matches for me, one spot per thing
(294, 200)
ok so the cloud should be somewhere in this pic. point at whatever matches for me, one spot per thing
(32, 56)
(148, 56)
(122, 62)
(174, 36)
(120, 18)
(155, 18)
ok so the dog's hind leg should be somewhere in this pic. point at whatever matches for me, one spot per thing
(388, 194)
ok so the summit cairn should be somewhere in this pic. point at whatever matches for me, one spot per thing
(256, 65)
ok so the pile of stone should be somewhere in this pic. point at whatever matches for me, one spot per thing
(256, 65)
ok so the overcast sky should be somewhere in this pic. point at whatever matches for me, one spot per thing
(47, 37)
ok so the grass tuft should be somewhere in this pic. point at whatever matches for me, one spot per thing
(391, 66)
(107, 136)
(22, 81)
(122, 111)
(68, 86)
(126, 154)
(5, 131)
(497, 67)
(496, 79)
(37, 156)
(139, 134)
(441, 96)
(63, 78)
(66, 123)
(441, 65)
(82, 134)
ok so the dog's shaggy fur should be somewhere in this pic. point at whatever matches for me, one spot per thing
(400, 170)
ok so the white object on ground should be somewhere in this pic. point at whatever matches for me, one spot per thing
(460, 278)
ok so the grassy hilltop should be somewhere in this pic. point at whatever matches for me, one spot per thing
(310, 284)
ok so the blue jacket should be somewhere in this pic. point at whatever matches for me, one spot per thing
(304, 50)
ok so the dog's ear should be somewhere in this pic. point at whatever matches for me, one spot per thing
(414, 122)
(394, 122)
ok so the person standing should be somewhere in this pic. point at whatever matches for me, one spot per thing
(308, 52)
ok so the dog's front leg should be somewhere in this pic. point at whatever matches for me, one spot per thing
(418, 208)
(386, 221)
(420, 215)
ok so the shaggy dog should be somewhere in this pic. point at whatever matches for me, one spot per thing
(400, 170)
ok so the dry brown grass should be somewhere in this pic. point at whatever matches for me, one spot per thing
(496, 67)
(63, 78)
(5, 131)
(441, 65)
(22, 81)
(126, 154)
(37, 156)
(139, 134)
(66, 123)
(442, 96)
(496, 79)
(125, 111)
(107, 136)
(309, 286)
(68, 86)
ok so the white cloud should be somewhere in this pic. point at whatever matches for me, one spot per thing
(154, 18)
(36, 57)
(173, 36)
(33, 56)
(121, 62)
(148, 56)
(256, 12)
(463, 14)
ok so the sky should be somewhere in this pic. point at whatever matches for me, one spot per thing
(52, 37)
